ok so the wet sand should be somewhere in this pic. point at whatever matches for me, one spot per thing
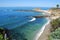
(45, 34)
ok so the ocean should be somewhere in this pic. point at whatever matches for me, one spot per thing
(21, 25)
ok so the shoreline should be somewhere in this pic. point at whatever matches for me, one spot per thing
(42, 30)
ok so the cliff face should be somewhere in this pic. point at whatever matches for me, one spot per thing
(55, 11)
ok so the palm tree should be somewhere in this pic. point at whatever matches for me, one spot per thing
(57, 5)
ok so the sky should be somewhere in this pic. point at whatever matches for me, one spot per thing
(29, 3)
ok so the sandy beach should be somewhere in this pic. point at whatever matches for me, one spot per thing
(42, 31)
(46, 32)
(44, 35)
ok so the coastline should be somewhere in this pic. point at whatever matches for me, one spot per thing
(42, 30)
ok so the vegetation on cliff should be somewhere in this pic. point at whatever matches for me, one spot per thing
(55, 24)
(55, 30)
(55, 35)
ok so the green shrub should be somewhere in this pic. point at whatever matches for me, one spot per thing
(1, 36)
(55, 24)
(55, 35)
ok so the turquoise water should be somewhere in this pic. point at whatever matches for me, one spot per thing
(18, 22)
